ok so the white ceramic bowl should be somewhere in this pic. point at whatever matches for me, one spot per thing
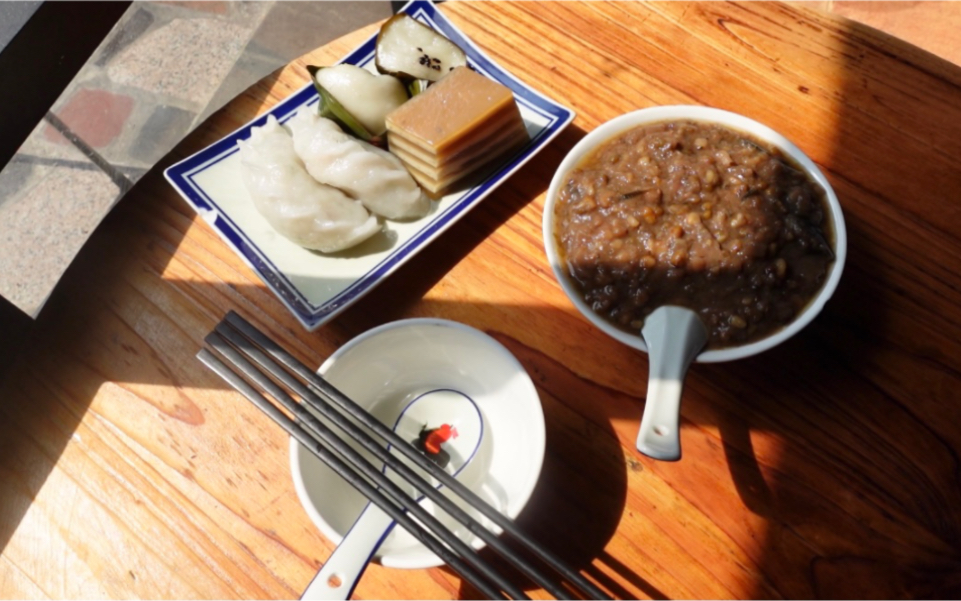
(383, 370)
(634, 119)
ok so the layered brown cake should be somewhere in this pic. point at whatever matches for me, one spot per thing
(454, 130)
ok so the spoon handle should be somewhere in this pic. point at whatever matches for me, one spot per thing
(674, 336)
(340, 574)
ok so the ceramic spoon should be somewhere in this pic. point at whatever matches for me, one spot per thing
(674, 336)
(435, 409)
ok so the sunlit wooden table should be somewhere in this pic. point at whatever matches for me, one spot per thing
(825, 468)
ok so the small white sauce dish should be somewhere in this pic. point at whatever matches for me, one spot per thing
(383, 370)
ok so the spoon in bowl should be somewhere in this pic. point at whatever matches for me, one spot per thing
(447, 426)
(674, 336)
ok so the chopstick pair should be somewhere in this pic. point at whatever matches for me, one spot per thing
(251, 354)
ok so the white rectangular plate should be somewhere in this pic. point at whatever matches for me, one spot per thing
(314, 286)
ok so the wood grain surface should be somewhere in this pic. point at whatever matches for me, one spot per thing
(827, 467)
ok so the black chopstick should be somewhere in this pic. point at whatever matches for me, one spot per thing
(321, 406)
(352, 477)
(330, 394)
(229, 344)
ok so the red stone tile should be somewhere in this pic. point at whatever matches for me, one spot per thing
(97, 117)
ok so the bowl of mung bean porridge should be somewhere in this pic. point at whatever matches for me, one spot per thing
(702, 230)
(696, 207)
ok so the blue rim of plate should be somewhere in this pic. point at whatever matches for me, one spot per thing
(312, 314)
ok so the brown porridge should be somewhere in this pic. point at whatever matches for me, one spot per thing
(697, 215)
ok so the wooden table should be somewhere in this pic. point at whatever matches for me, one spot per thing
(827, 467)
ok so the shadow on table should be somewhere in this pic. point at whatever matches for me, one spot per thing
(107, 325)
(856, 495)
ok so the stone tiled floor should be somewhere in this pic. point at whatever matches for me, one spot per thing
(13, 16)
(162, 70)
